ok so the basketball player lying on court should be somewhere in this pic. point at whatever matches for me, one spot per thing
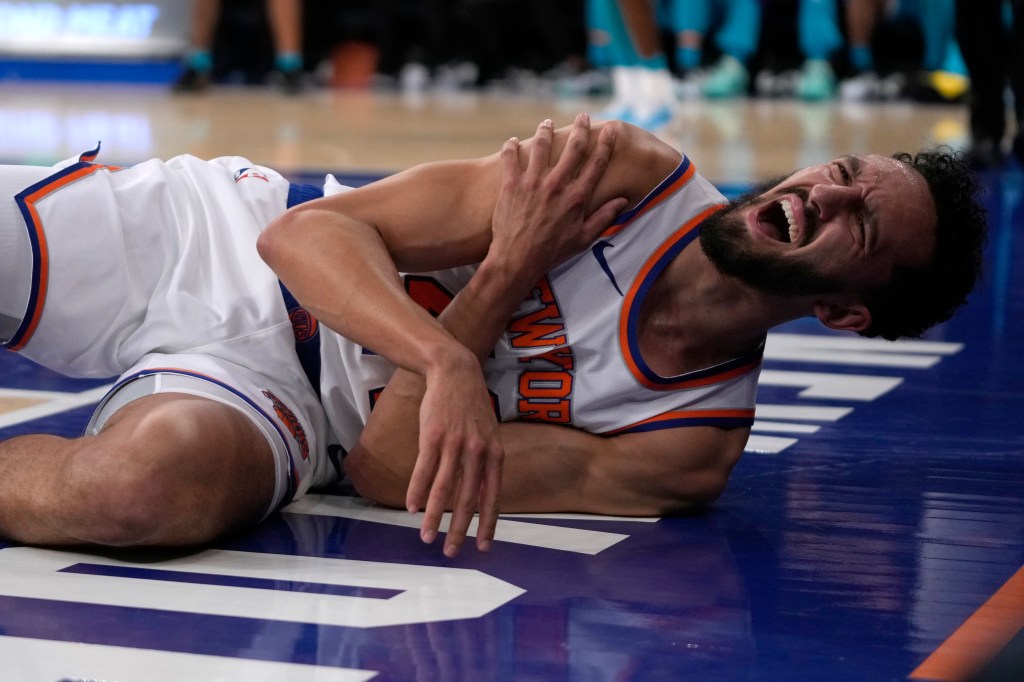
(592, 291)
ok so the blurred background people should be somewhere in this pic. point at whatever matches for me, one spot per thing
(991, 34)
(942, 74)
(284, 18)
(624, 37)
(735, 26)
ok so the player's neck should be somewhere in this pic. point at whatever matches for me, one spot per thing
(695, 317)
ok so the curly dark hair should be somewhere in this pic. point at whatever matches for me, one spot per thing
(917, 298)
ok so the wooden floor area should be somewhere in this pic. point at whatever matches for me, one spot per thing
(736, 141)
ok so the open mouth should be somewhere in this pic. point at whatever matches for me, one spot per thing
(779, 221)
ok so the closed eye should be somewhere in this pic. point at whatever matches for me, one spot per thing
(847, 179)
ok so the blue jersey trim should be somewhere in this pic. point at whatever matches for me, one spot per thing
(307, 347)
(720, 422)
(672, 178)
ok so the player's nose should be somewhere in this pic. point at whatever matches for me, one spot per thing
(830, 200)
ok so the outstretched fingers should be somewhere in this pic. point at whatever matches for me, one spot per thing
(440, 492)
(422, 481)
(470, 469)
(489, 496)
(465, 505)
(575, 152)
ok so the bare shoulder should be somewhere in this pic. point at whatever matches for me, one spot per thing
(639, 161)
(638, 142)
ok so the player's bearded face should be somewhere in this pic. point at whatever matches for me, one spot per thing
(726, 240)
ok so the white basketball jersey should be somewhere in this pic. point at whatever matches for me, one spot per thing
(570, 355)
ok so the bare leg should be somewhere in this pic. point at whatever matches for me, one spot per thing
(286, 25)
(638, 15)
(168, 469)
(205, 15)
(861, 18)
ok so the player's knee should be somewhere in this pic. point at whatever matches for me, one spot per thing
(141, 487)
(139, 509)
(374, 483)
(124, 500)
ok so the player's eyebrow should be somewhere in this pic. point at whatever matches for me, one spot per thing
(854, 163)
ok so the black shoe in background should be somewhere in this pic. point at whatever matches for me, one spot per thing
(191, 80)
(290, 82)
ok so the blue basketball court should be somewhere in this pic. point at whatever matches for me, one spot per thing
(874, 530)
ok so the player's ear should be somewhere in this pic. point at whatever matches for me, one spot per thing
(853, 316)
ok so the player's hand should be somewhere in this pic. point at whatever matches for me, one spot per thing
(460, 455)
(543, 215)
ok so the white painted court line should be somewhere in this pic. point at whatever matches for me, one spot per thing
(54, 403)
(38, 660)
(579, 540)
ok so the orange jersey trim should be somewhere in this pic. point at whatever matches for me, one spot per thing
(682, 418)
(26, 201)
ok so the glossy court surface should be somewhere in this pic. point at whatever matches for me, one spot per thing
(874, 531)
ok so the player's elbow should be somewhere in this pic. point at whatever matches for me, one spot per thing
(712, 485)
(695, 492)
(371, 481)
(273, 242)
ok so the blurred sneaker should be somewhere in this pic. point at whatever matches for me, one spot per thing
(615, 110)
(816, 82)
(456, 76)
(192, 80)
(766, 83)
(290, 82)
(727, 78)
(893, 86)
(651, 120)
(944, 87)
(864, 87)
(589, 83)
(414, 77)
(687, 87)
(775, 84)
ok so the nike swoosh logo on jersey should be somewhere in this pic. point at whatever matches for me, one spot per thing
(598, 250)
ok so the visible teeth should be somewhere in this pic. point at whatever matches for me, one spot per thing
(787, 208)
